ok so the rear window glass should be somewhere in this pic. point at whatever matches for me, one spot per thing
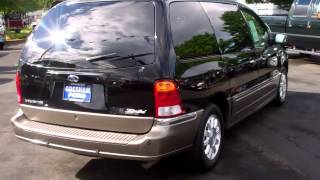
(110, 34)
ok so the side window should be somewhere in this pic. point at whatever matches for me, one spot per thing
(191, 30)
(316, 8)
(301, 8)
(258, 31)
(230, 27)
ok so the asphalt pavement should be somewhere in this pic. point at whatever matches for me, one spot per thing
(274, 143)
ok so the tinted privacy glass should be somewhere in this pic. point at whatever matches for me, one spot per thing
(192, 32)
(95, 34)
(258, 31)
(301, 8)
(231, 30)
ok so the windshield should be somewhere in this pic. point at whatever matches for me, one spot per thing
(75, 32)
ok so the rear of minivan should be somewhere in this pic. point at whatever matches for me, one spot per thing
(95, 78)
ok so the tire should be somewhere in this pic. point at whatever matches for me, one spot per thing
(1, 46)
(282, 88)
(202, 158)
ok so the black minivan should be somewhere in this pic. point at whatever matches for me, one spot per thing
(145, 79)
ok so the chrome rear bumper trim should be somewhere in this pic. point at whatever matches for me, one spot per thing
(97, 152)
(75, 133)
(88, 120)
(84, 113)
(43, 143)
(162, 140)
(34, 141)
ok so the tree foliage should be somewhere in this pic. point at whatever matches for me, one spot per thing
(23, 6)
(199, 45)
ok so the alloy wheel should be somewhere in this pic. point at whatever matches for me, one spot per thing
(283, 86)
(212, 137)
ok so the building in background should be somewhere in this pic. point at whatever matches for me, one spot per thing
(265, 9)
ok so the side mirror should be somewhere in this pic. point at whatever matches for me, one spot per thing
(281, 38)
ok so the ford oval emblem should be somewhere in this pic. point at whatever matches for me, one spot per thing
(73, 78)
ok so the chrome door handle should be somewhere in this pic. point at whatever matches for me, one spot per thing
(252, 61)
(308, 25)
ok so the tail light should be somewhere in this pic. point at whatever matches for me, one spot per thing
(18, 86)
(167, 99)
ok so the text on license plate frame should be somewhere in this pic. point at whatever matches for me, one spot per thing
(76, 92)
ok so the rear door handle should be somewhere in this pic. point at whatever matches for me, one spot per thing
(252, 61)
(308, 25)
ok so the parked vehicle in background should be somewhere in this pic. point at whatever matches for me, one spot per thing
(55, 2)
(143, 88)
(302, 25)
(2, 33)
(14, 22)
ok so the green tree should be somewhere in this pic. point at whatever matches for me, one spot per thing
(23, 6)
(235, 25)
(199, 45)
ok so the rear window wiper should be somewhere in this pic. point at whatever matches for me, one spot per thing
(115, 57)
(133, 56)
(102, 57)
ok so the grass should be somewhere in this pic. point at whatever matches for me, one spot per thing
(12, 35)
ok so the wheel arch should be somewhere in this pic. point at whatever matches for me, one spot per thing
(221, 100)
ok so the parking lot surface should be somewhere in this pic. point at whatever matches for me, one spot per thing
(274, 143)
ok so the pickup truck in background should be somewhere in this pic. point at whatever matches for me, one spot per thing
(302, 25)
(14, 22)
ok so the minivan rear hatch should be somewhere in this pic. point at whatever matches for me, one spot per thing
(91, 64)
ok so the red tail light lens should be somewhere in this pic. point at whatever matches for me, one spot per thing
(167, 99)
(18, 86)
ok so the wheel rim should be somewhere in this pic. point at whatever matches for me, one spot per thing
(283, 57)
(212, 137)
(283, 86)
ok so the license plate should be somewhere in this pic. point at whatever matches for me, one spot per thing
(77, 93)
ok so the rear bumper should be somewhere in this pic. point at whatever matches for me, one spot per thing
(167, 136)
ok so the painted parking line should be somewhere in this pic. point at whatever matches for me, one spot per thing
(9, 51)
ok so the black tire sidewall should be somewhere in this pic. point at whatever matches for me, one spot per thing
(202, 162)
(278, 100)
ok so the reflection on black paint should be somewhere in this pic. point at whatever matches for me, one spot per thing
(199, 64)
(192, 33)
(230, 26)
(199, 45)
